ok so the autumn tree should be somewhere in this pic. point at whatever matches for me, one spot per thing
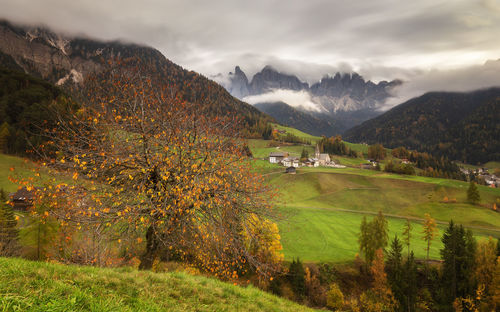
(379, 297)
(334, 297)
(473, 193)
(377, 152)
(143, 158)
(485, 262)
(429, 232)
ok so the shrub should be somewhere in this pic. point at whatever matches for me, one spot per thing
(334, 297)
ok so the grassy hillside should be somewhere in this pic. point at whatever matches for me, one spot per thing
(323, 209)
(39, 286)
(20, 166)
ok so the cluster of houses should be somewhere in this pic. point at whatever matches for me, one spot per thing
(483, 173)
(320, 159)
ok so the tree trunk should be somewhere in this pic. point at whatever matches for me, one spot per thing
(149, 255)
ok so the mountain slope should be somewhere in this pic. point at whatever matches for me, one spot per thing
(40, 286)
(69, 61)
(289, 116)
(461, 126)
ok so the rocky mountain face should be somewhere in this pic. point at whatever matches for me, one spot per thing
(269, 79)
(69, 61)
(345, 100)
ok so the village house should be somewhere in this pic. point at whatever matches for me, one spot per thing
(312, 162)
(277, 157)
(291, 162)
(291, 170)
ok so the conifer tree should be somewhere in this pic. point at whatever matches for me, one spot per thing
(304, 155)
(410, 285)
(394, 268)
(296, 277)
(4, 137)
(458, 266)
(473, 193)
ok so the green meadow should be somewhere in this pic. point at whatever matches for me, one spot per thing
(322, 209)
(41, 286)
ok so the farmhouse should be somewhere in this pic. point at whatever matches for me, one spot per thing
(290, 162)
(22, 199)
(312, 162)
(277, 157)
(291, 170)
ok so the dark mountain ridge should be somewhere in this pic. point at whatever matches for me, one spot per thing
(460, 126)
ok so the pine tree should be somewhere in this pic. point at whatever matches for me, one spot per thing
(4, 137)
(410, 285)
(458, 263)
(473, 193)
(394, 268)
(296, 277)
(304, 155)
(8, 230)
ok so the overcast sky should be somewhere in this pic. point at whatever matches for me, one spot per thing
(380, 39)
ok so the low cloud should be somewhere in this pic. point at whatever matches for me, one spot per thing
(457, 80)
(298, 99)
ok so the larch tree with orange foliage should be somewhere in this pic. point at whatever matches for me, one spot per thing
(157, 165)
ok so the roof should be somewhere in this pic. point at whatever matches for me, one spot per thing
(323, 156)
(22, 194)
(276, 154)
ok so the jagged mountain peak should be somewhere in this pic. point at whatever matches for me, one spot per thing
(343, 94)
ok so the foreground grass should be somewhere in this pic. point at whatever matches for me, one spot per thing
(39, 286)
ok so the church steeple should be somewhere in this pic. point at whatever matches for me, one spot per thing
(317, 152)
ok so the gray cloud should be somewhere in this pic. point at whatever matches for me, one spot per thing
(380, 39)
(458, 80)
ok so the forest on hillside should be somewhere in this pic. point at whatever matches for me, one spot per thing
(459, 126)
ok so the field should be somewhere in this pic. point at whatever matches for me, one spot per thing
(22, 168)
(40, 286)
(323, 208)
